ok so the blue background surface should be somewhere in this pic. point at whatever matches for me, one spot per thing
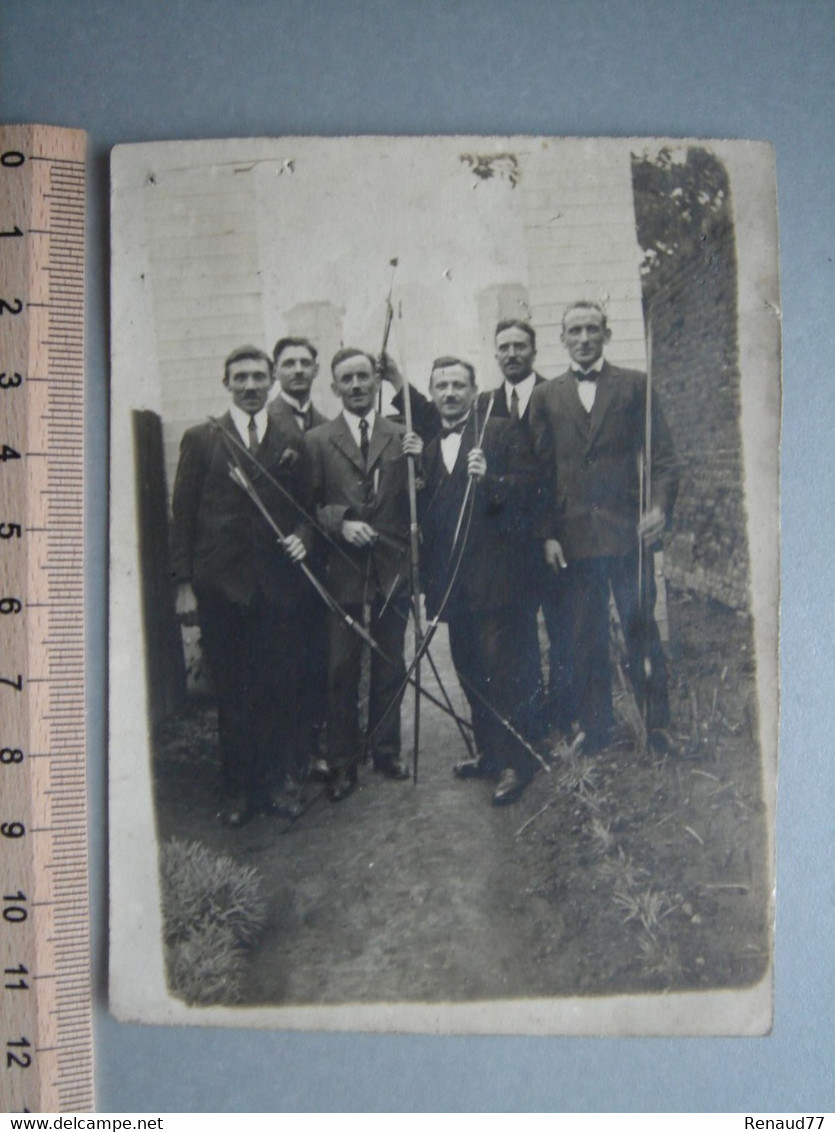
(205, 68)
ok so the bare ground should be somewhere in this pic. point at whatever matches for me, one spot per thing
(612, 874)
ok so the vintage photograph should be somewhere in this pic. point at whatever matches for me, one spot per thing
(444, 584)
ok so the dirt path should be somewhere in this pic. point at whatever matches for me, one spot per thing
(635, 875)
(402, 892)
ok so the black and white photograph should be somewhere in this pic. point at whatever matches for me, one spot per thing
(444, 584)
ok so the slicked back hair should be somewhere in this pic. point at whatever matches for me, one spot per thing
(448, 360)
(283, 343)
(516, 324)
(587, 305)
(351, 352)
(247, 353)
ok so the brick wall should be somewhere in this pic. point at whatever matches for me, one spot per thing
(696, 370)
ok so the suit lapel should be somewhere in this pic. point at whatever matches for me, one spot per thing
(573, 406)
(602, 400)
(381, 437)
(342, 439)
(500, 405)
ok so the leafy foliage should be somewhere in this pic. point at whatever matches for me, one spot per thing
(683, 210)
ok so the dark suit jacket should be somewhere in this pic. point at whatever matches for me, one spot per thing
(501, 409)
(493, 570)
(592, 461)
(426, 420)
(343, 488)
(282, 413)
(220, 542)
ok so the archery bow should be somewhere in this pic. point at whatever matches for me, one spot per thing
(239, 476)
(462, 528)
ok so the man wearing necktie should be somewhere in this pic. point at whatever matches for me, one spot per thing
(296, 367)
(246, 589)
(515, 343)
(588, 432)
(295, 363)
(489, 612)
(361, 495)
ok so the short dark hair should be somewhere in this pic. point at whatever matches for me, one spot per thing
(283, 343)
(585, 304)
(448, 360)
(243, 354)
(351, 352)
(518, 324)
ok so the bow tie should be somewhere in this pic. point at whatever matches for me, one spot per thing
(458, 428)
(592, 375)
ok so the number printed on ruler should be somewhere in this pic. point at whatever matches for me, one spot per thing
(44, 930)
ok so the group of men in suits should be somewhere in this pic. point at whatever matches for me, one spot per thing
(528, 500)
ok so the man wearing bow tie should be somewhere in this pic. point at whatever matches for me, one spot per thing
(245, 587)
(479, 584)
(588, 431)
(361, 495)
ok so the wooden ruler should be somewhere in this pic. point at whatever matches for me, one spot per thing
(46, 1038)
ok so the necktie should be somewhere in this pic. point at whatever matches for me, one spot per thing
(364, 438)
(302, 418)
(252, 435)
(514, 405)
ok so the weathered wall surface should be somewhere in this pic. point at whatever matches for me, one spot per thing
(696, 369)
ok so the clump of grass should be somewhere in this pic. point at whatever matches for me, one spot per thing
(577, 776)
(205, 966)
(602, 838)
(648, 907)
(660, 959)
(622, 871)
(212, 909)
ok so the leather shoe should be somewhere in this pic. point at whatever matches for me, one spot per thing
(661, 742)
(594, 742)
(319, 770)
(344, 784)
(236, 812)
(511, 786)
(283, 806)
(392, 767)
(475, 768)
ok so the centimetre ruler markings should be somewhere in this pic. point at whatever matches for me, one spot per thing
(46, 1051)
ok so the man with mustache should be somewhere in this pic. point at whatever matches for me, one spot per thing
(488, 609)
(588, 431)
(295, 362)
(515, 342)
(361, 495)
(245, 588)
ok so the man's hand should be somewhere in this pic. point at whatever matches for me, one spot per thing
(388, 371)
(651, 526)
(554, 557)
(476, 463)
(412, 445)
(185, 601)
(294, 548)
(357, 533)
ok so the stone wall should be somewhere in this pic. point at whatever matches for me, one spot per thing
(696, 371)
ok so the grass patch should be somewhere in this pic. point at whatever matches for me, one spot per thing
(213, 910)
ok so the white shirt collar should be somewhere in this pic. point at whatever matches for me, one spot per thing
(450, 447)
(241, 422)
(353, 423)
(596, 368)
(523, 388)
(294, 404)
